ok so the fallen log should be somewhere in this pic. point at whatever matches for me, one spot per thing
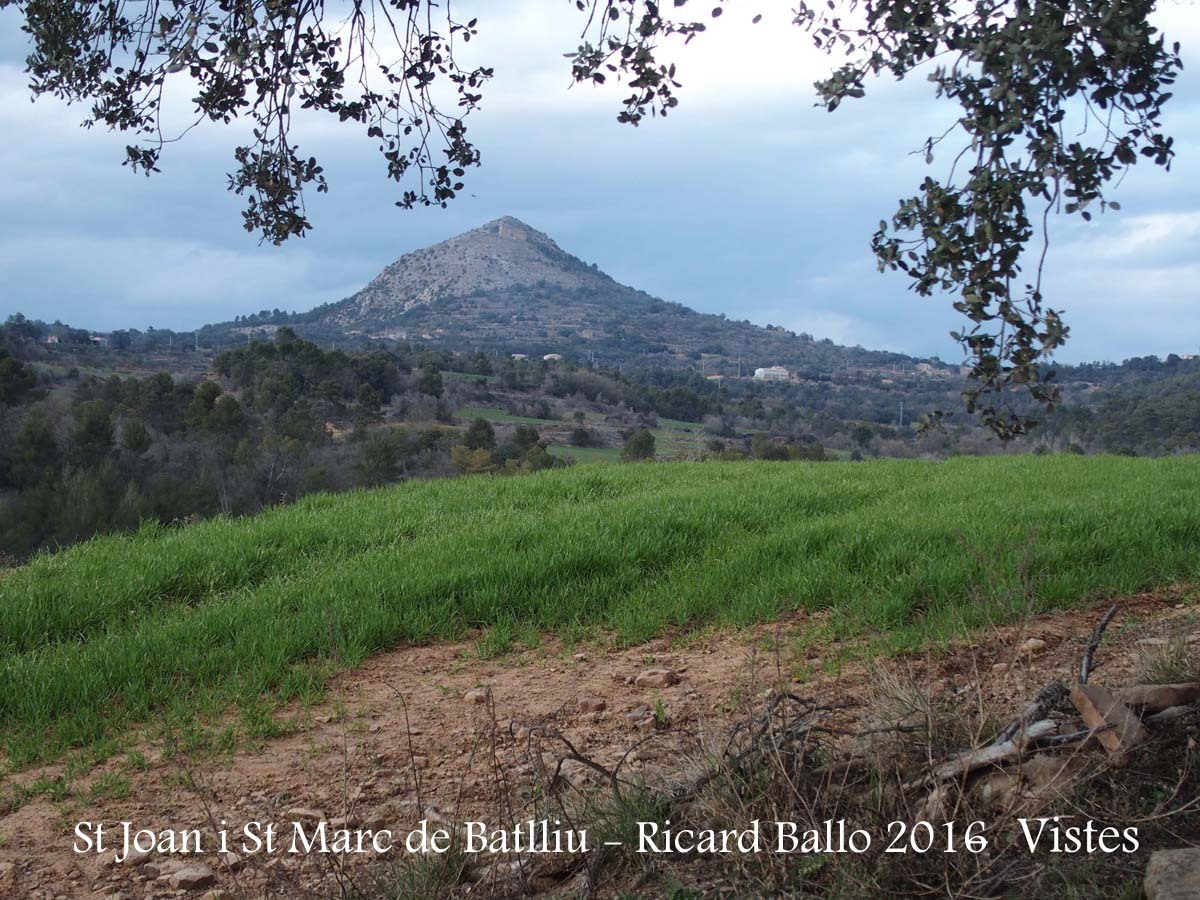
(991, 755)
(1047, 698)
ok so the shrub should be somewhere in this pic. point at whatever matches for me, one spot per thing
(638, 446)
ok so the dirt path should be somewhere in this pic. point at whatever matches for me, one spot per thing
(402, 736)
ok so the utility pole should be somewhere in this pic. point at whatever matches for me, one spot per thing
(901, 413)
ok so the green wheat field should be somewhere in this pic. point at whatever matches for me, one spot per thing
(230, 614)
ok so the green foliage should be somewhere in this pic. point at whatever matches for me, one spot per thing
(472, 462)
(480, 436)
(17, 380)
(108, 632)
(256, 65)
(762, 447)
(35, 453)
(90, 437)
(639, 446)
(431, 382)
(537, 458)
(525, 438)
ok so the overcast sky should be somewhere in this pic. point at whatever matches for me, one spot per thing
(747, 200)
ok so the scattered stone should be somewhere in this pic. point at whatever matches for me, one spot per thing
(304, 814)
(638, 713)
(1116, 726)
(137, 857)
(576, 772)
(592, 705)
(657, 678)
(1154, 698)
(232, 861)
(1153, 642)
(162, 867)
(477, 696)
(420, 762)
(218, 894)
(1032, 646)
(192, 878)
(8, 874)
(1173, 875)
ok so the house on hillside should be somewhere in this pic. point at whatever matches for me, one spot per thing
(771, 373)
(552, 356)
(519, 356)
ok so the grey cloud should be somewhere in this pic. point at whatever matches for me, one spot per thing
(749, 201)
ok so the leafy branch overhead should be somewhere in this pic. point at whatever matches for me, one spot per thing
(1055, 100)
(382, 67)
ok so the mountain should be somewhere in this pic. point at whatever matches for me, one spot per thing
(506, 287)
(502, 257)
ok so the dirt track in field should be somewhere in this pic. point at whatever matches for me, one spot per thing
(402, 738)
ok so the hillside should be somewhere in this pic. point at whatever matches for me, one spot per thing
(232, 611)
(443, 652)
(506, 287)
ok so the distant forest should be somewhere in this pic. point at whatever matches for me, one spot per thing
(103, 433)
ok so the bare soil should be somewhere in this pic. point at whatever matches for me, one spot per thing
(402, 737)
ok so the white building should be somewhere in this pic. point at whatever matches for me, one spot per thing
(771, 373)
(552, 356)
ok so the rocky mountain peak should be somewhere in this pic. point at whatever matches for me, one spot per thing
(513, 229)
(500, 256)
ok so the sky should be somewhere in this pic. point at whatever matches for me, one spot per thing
(747, 200)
